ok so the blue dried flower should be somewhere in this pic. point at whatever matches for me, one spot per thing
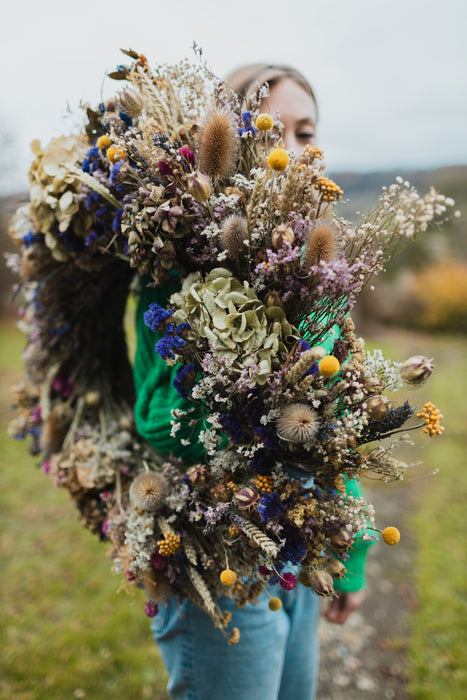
(270, 506)
(155, 316)
(92, 237)
(168, 345)
(29, 238)
(117, 220)
(184, 380)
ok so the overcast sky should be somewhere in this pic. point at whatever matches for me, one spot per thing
(390, 75)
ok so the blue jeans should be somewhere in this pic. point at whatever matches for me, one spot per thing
(275, 659)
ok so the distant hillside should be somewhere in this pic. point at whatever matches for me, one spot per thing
(362, 189)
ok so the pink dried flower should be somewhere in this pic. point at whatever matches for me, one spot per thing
(288, 581)
(151, 609)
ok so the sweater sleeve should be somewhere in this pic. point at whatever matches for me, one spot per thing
(156, 395)
(355, 579)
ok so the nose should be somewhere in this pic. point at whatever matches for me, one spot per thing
(290, 141)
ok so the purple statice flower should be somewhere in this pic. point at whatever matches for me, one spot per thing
(268, 435)
(288, 581)
(89, 239)
(184, 380)
(45, 467)
(155, 316)
(167, 346)
(117, 220)
(151, 609)
(300, 227)
(270, 506)
(314, 369)
(126, 119)
(260, 462)
(105, 527)
(294, 548)
(62, 386)
(29, 238)
(115, 180)
(36, 414)
(340, 350)
(232, 426)
(91, 199)
(247, 127)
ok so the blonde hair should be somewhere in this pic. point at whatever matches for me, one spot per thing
(247, 80)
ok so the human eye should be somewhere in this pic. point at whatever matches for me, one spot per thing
(305, 135)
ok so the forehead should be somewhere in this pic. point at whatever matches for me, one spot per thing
(291, 101)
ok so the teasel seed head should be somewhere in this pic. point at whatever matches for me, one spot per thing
(217, 144)
(297, 423)
(233, 235)
(321, 244)
(148, 490)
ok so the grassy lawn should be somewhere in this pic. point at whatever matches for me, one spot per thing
(68, 632)
(438, 644)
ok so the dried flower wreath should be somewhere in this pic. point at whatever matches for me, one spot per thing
(156, 186)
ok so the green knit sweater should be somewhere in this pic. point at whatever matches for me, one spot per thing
(157, 396)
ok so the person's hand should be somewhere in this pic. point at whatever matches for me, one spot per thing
(342, 606)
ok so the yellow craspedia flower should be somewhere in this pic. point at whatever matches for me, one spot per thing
(103, 142)
(228, 577)
(115, 153)
(391, 535)
(274, 604)
(278, 159)
(264, 122)
(329, 366)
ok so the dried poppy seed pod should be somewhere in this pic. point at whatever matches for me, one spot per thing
(199, 186)
(341, 540)
(247, 498)
(273, 298)
(372, 384)
(336, 568)
(416, 369)
(198, 475)
(319, 580)
(131, 102)
(378, 406)
(281, 234)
